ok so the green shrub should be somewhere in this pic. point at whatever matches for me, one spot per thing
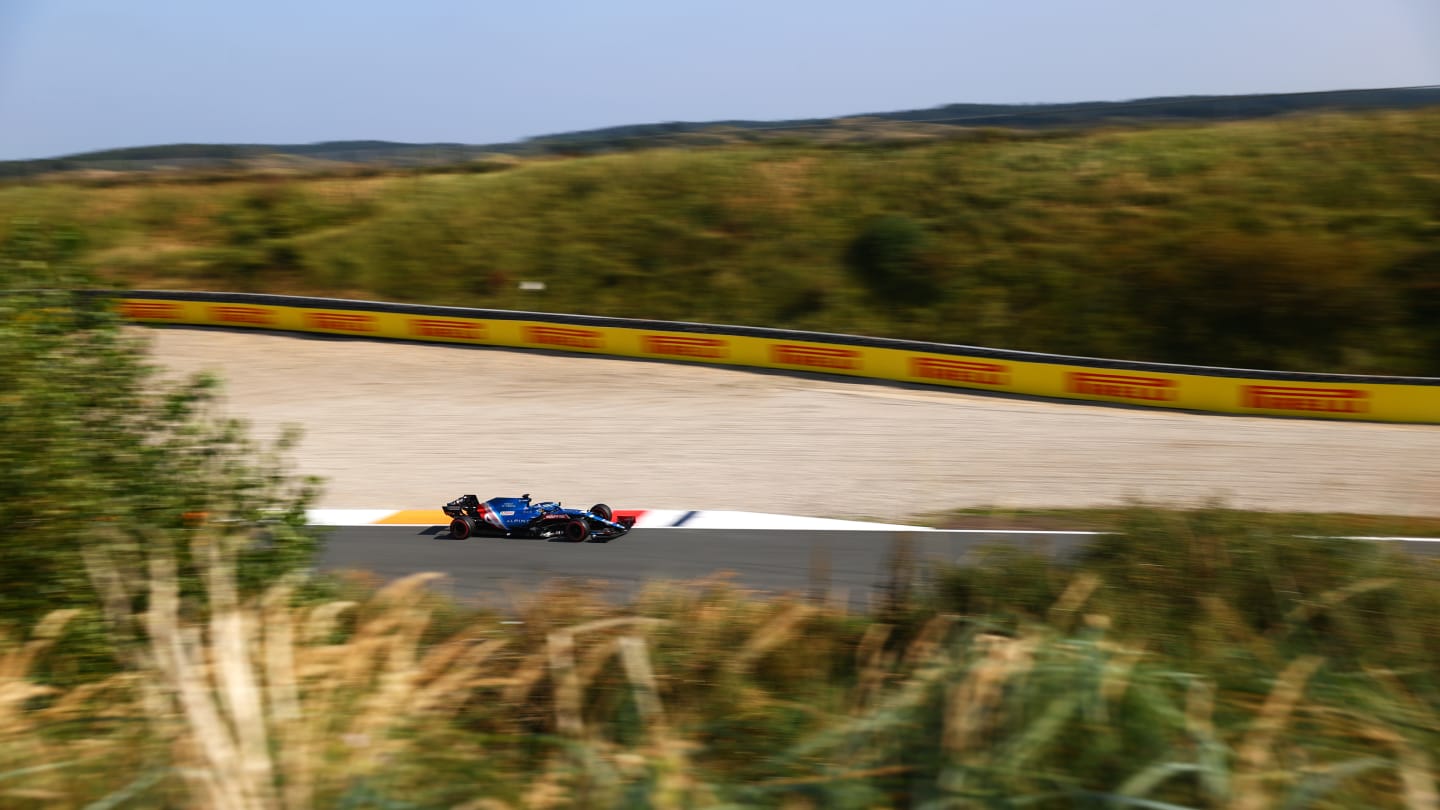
(101, 458)
(890, 257)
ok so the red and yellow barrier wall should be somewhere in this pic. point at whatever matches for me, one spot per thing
(1268, 393)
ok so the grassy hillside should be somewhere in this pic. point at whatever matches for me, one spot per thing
(1308, 242)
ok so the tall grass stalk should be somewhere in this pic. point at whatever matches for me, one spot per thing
(707, 695)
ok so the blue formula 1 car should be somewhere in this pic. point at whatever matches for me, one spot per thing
(520, 517)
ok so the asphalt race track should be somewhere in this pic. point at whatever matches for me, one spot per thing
(851, 566)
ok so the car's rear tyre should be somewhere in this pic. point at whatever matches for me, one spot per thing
(576, 531)
(462, 527)
(602, 511)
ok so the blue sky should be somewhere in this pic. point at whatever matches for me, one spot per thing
(78, 75)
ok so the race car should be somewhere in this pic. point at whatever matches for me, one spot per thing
(520, 517)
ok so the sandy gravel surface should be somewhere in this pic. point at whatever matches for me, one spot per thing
(398, 425)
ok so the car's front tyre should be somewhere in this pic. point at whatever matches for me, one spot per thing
(577, 531)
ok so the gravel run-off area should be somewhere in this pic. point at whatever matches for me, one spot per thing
(413, 425)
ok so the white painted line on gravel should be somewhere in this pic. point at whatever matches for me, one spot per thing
(346, 517)
(706, 519)
(1390, 539)
(646, 519)
(763, 520)
(1018, 531)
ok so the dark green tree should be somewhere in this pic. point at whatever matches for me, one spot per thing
(1416, 285)
(890, 257)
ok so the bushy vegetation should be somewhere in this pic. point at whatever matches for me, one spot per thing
(1301, 243)
(1199, 659)
(102, 459)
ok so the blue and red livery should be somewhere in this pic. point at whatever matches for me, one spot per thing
(521, 517)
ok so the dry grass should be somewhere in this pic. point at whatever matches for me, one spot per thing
(695, 695)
